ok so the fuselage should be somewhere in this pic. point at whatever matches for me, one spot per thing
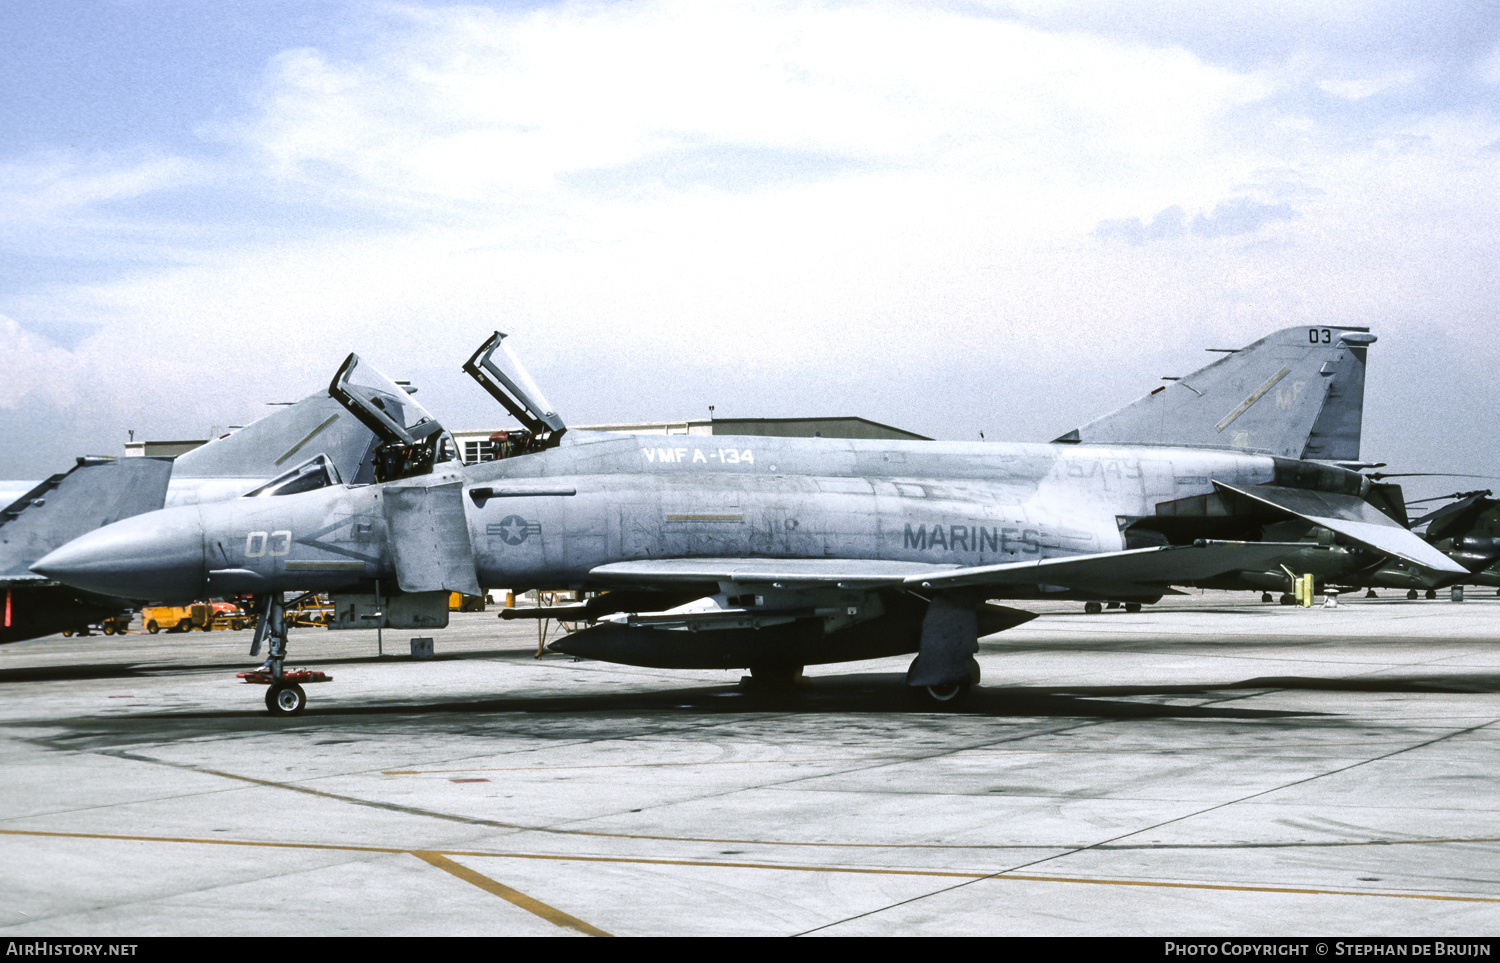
(548, 518)
(946, 503)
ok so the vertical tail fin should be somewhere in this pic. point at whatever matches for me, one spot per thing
(1298, 393)
(263, 449)
(65, 506)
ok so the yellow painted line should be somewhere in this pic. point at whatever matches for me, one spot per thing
(780, 867)
(651, 837)
(310, 436)
(311, 566)
(335, 847)
(551, 914)
(1224, 887)
(1244, 405)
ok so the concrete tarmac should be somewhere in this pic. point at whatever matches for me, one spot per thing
(1211, 765)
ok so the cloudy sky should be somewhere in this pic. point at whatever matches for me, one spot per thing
(955, 217)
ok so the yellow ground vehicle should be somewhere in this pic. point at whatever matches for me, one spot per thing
(203, 616)
(314, 611)
(118, 625)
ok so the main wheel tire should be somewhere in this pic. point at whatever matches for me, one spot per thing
(286, 699)
(1411, 594)
(939, 696)
(946, 693)
(1092, 608)
(1288, 599)
(153, 628)
(950, 695)
(1132, 606)
(1266, 597)
(1432, 593)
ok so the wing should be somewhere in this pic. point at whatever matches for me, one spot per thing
(1132, 572)
(788, 572)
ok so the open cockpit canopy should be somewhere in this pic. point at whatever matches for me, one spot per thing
(386, 408)
(501, 373)
(412, 439)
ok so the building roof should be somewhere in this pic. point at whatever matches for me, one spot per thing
(837, 427)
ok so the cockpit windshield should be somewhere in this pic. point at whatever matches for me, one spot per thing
(309, 476)
(412, 440)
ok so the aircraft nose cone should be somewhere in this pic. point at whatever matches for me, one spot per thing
(157, 556)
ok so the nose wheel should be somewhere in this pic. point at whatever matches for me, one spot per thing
(284, 693)
(285, 699)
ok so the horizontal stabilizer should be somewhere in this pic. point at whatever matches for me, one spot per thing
(1133, 570)
(90, 496)
(1352, 517)
(1298, 393)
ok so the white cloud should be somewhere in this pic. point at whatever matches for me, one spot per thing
(34, 368)
(1360, 88)
(1488, 70)
(56, 186)
(480, 106)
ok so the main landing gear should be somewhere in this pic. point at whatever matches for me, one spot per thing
(1094, 608)
(773, 677)
(284, 693)
(951, 695)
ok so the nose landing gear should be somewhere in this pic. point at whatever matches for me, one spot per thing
(284, 695)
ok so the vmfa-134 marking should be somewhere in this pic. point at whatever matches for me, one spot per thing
(775, 553)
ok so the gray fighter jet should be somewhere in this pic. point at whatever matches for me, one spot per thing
(777, 553)
(312, 443)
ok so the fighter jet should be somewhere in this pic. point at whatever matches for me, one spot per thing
(777, 553)
(312, 443)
